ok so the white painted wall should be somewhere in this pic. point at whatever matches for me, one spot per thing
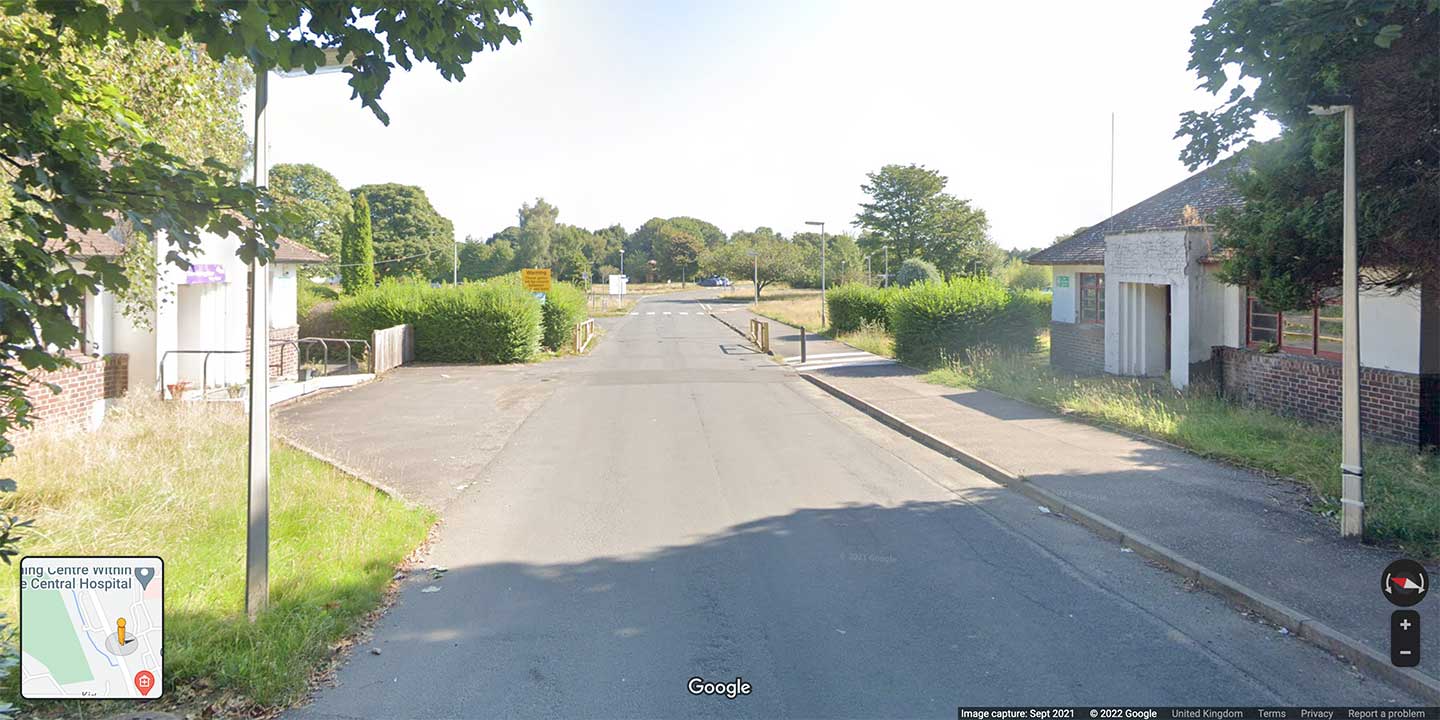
(1390, 330)
(1064, 303)
(1138, 267)
(283, 298)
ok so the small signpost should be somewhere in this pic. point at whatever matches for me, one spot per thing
(536, 279)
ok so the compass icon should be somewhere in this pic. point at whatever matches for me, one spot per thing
(1405, 582)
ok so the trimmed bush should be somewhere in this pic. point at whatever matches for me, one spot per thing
(932, 320)
(914, 271)
(853, 306)
(1018, 328)
(494, 322)
(564, 307)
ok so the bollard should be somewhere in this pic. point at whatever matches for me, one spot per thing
(802, 344)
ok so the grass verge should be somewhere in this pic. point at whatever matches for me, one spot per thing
(1402, 493)
(802, 307)
(168, 479)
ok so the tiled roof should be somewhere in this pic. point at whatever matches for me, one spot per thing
(95, 243)
(1206, 191)
(290, 251)
(91, 242)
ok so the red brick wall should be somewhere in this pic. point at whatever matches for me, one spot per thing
(284, 360)
(1078, 347)
(1392, 404)
(284, 356)
(91, 380)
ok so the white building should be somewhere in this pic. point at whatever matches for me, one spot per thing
(195, 337)
(1137, 295)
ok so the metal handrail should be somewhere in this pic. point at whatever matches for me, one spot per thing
(205, 363)
(349, 343)
(204, 366)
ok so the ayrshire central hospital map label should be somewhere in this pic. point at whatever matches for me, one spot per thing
(91, 627)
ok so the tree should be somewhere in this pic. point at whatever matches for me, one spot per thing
(318, 206)
(76, 155)
(357, 269)
(1284, 243)
(491, 258)
(779, 260)
(411, 237)
(537, 224)
(612, 238)
(910, 213)
(915, 270)
(676, 251)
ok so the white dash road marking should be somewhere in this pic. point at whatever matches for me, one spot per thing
(667, 312)
(650, 313)
(684, 313)
(826, 356)
(844, 364)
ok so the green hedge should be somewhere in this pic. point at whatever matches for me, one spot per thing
(564, 307)
(495, 321)
(931, 321)
(853, 306)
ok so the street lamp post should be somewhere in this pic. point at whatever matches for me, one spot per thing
(887, 266)
(822, 268)
(455, 263)
(257, 526)
(622, 261)
(1352, 464)
(869, 277)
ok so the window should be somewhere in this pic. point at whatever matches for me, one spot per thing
(1092, 298)
(1302, 332)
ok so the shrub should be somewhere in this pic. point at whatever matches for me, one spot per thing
(853, 306)
(495, 321)
(914, 271)
(932, 320)
(1026, 314)
(564, 307)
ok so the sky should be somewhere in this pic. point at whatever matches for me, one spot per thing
(751, 113)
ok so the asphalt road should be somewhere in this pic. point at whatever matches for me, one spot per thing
(679, 506)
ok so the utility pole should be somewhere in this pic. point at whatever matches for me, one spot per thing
(822, 267)
(887, 266)
(257, 528)
(454, 263)
(1352, 460)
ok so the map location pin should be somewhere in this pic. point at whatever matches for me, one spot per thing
(144, 575)
(144, 682)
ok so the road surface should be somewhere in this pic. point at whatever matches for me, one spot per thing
(679, 506)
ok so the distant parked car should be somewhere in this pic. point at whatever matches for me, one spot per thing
(715, 281)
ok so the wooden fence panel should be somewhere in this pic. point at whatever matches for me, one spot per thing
(391, 348)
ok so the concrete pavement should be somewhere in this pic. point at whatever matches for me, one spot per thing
(676, 505)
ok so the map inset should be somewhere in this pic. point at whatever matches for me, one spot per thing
(91, 627)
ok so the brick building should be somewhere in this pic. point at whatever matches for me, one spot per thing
(192, 341)
(1136, 294)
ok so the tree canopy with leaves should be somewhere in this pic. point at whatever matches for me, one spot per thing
(1285, 242)
(318, 207)
(910, 213)
(411, 237)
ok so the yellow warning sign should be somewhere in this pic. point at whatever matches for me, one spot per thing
(536, 279)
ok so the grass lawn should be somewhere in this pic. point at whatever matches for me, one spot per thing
(802, 307)
(1402, 490)
(168, 479)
